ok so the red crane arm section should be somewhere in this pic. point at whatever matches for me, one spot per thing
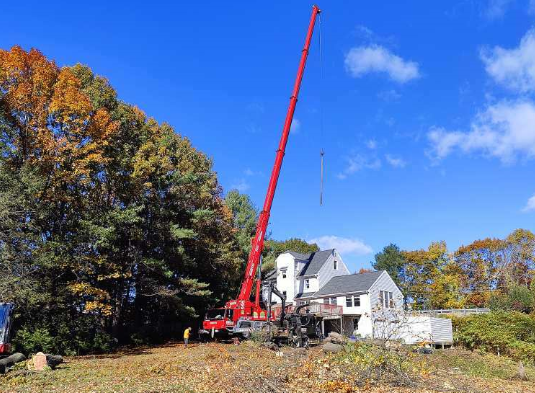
(263, 219)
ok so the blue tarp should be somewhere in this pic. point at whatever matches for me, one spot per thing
(5, 311)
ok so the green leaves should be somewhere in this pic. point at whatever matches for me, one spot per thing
(106, 216)
(182, 233)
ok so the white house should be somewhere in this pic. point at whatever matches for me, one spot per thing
(349, 302)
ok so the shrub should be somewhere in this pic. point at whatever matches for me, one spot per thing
(377, 363)
(28, 342)
(506, 333)
(517, 298)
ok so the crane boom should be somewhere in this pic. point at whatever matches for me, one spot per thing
(221, 321)
(263, 219)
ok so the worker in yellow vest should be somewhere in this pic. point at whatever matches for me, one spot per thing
(186, 336)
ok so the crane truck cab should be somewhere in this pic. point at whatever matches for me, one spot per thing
(5, 325)
(218, 322)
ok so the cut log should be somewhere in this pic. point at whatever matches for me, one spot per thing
(53, 360)
(5, 363)
(41, 361)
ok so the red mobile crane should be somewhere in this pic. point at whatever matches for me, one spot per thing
(219, 320)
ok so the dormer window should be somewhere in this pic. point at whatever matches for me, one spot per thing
(335, 264)
(283, 272)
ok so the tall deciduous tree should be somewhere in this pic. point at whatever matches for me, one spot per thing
(111, 223)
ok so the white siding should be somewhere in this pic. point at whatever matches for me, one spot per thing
(417, 329)
(441, 330)
(385, 283)
(327, 270)
(286, 262)
(313, 284)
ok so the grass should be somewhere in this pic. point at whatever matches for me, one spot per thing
(479, 364)
(250, 367)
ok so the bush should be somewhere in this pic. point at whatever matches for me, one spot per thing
(506, 333)
(517, 298)
(62, 339)
(377, 363)
(28, 342)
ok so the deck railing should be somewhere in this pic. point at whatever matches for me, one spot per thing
(319, 309)
(453, 311)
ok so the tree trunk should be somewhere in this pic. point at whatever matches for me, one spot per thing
(10, 361)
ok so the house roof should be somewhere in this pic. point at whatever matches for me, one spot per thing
(298, 255)
(315, 262)
(271, 275)
(304, 295)
(350, 283)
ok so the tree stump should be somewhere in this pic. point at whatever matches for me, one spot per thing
(41, 361)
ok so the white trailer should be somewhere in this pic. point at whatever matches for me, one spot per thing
(426, 329)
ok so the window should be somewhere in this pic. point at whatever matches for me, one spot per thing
(386, 299)
(353, 301)
(283, 273)
(326, 300)
(335, 266)
(333, 300)
(307, 284)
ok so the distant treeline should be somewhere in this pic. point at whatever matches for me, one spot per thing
(495, 273)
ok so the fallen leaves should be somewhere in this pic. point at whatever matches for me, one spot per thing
(243, 368)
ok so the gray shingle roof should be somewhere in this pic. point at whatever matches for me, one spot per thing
(271, 275)
(304, 294)
(316, 261)
(301, 257)
(360, 282)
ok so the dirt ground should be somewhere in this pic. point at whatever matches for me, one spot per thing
(252, 368)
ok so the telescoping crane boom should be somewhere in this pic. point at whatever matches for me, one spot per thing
(243, 307)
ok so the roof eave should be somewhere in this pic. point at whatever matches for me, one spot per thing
(340, 293)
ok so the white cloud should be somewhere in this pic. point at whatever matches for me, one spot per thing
(496, 8)
(513, 68)
(371, 144)
(241, 185)
(389, 95)
(357, 163)
(342, 245)
(530, 206)
(504, 130)
(296, 126)
(365, 32)
(375, 58)
(396, 162)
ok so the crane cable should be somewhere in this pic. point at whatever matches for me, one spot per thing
(322, 151)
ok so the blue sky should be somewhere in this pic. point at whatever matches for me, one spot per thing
(429, 111)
